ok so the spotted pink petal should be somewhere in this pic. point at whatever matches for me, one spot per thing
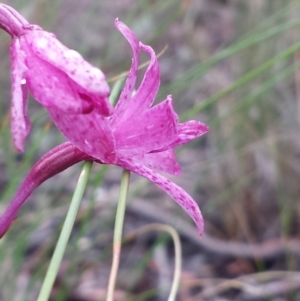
(52, 88)
(129, 105)
(126, 94)
(145, 95)
(162, 161)
(55, 69)
(173, 190)
(45, 46)
(19, 122)
(91, 133)
(148, 131)
(189, 131)
(54, 162)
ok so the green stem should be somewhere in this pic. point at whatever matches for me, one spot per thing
(65, 233)
(117, 241)
(177, 251)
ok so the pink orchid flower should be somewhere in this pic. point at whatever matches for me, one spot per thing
(57, 77)
(136, 136)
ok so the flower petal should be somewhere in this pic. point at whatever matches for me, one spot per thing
(54, 162)
(91, 133)
(164, 161)
(53, 88)
(145, 95)
(19, 122)
(45, 46)
(173, 190)
(125, 97)
(143, 133)
(188, 131)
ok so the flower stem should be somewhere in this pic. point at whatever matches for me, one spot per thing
(177, 251)
(65, 233)
(117, 241)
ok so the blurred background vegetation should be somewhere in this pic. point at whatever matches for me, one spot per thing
(232, 64)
